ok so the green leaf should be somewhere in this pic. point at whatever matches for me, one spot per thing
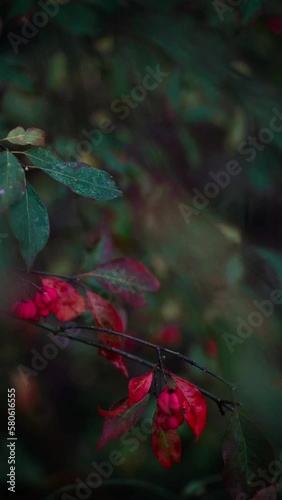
(33, 136)
(79, 177)
(245, 451)
(30, 225)
(19, 8)
(264, 171)
(79, 19)
(13, 74)
(12, 183)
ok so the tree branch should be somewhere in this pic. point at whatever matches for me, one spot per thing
(155, 347)
(221, 403)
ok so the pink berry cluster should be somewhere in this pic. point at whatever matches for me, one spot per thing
(169, 409)
(41, 305)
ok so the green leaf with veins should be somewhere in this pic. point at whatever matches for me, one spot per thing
(12, 180)
(79, 177)
(29, 223)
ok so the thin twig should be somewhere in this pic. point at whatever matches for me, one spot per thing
(155, 347)
(221, 403)
(74, 278)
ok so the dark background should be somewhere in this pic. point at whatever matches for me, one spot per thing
(224, 80)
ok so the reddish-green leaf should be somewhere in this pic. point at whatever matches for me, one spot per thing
(33, 136)
(245, 451)
(116, 409)
(114, 427)
(70, 302)
(195, 405)
(266, 494)
(166, 446)
(127, 278)
(105, 316)
(138, 387)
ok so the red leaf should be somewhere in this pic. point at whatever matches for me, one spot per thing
(116, 409)
(166, 446)
(114, 427)
(105, 316)
(70, 302)
(127, 278)
(138, 387)
(195, 405)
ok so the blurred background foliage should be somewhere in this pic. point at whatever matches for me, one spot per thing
(223, 80)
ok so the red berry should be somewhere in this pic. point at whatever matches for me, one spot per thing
(42, 299)
(26, 310)
(212, 348)
(44, 312)
(52, 292)
(170, 335)
(170, 400)
(162, 421)
(45, 297)
(175, 420)
(163, 401)
(175, 402)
